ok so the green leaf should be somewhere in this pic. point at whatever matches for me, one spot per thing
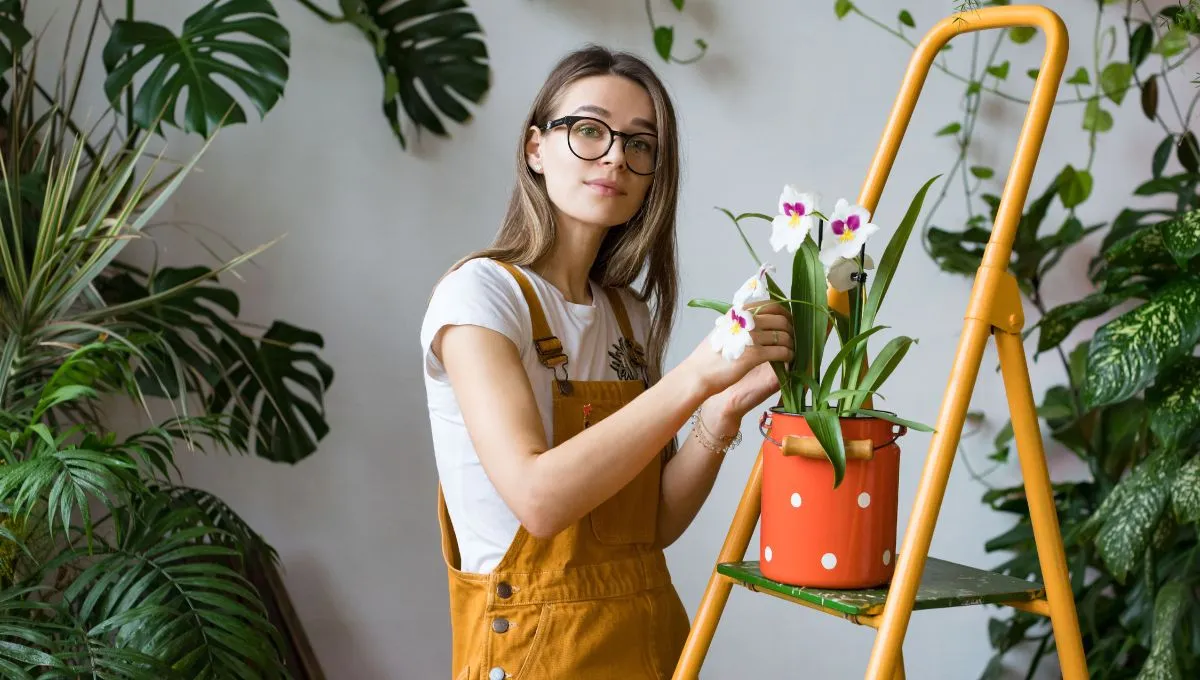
(1021, 34)
(1188, 152)
(1080, 77)
(1181, 236)
(718, 306)
(982, 172)
(1115, 80)
(14, 36)
(664, 38)
(1000, 71)
(906, 19)
(1033, 73)
(1074, 186)
(1173, 42)
(893, 418)
(436, 44)
(949, 129)
(842, 7)
(1139, 501)
(1162, 153)
(1139, 44)
(809, 321)
(1059, 321)
(1095, 118)
(882, 367)
(678, 4)
(1175, 402)
(1128, 352)
(1169, 604)
(1150, 97)
(838, 363)
(827, 429)
(1185, 492)
(198, 62)
(891, 255)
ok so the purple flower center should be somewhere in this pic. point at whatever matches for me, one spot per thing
(851, 223)
(793, 209)
(741, 320)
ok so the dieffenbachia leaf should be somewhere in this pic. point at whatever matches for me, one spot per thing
(239, 42)
(1128, 352)
(1181, 236)
(1058, 323)
(1185, 492)
(1133, 514)
(1175, 402)
(1163, 662)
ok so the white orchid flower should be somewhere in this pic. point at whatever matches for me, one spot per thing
(754, 289)
(851, 228)
(841, 273)
(731, 334)
(795, 219)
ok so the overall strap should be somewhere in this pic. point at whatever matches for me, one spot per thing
(618, 307)
(549, 348)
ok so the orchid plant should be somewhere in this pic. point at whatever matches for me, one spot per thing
(827, 252)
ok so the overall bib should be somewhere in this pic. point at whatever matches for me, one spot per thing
(593, 601)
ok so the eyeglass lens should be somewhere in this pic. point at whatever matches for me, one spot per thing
(591, 139)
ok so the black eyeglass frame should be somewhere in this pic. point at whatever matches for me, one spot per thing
(570, 121)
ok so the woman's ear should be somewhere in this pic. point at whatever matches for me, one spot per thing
(533, 149)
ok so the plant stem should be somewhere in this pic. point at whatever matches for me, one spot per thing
(323, 14)
(1037, 656)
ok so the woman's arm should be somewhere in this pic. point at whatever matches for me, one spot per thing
(549, 488)
(689, 475)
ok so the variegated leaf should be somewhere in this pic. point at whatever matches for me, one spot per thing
(1175, 402)
(1181, 236)
(1061, 320)
(1126, 532)
(1128, 352)
(1143, 247)
(1185, 492)
(1162, 663)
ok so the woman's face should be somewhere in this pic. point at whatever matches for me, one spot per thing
(600, 189)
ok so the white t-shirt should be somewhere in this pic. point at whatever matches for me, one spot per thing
(482, 293)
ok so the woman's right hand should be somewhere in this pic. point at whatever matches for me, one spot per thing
(772, 341)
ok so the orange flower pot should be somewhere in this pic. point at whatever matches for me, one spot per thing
(814, 535)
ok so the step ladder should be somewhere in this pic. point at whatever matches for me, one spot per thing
(921, 582)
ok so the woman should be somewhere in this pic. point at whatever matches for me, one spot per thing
(560, 478)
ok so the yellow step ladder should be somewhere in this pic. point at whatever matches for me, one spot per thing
(994, 309)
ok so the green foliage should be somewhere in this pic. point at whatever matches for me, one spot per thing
(1129, 408)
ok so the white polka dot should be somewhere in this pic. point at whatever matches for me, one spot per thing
(887, 557)
(864, 499)
(767, 553)
(795, 500)
(829, 560)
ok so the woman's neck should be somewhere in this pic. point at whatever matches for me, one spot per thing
(570, 259)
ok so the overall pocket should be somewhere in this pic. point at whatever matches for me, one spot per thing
(516, 635)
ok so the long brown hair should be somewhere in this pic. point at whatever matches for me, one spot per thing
(646, 243)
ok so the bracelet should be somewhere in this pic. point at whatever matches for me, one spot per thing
(710, 441)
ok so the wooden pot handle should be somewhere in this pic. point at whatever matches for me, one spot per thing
(809, 447)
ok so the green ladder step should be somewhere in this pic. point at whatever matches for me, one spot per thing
(943, 584)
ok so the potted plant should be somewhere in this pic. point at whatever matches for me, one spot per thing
(830, 459)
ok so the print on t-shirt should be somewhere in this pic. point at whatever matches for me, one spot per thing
(628, 360)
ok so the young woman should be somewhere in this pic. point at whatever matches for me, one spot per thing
(553, 424)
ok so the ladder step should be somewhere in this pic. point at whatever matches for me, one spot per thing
(943, 584)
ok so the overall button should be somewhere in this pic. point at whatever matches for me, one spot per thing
(497, 673)
(500, 625)
(503, 590)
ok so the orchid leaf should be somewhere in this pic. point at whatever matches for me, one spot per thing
(808, 310)
(847, 351)
(892, 418)
(827, 429)
(719, 306)
(887, 360)
(891, 255)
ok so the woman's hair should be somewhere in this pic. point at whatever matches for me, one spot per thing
(645, 242)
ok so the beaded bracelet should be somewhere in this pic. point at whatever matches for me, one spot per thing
(709, 440)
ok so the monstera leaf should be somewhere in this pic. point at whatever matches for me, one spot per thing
(197, 61)
(436, 43)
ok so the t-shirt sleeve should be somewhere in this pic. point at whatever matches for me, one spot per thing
(479, 293)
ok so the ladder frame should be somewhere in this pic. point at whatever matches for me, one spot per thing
(995, 310)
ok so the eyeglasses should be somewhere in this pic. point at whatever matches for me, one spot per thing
(590, 139)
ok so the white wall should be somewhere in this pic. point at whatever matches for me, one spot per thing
(786, 94)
